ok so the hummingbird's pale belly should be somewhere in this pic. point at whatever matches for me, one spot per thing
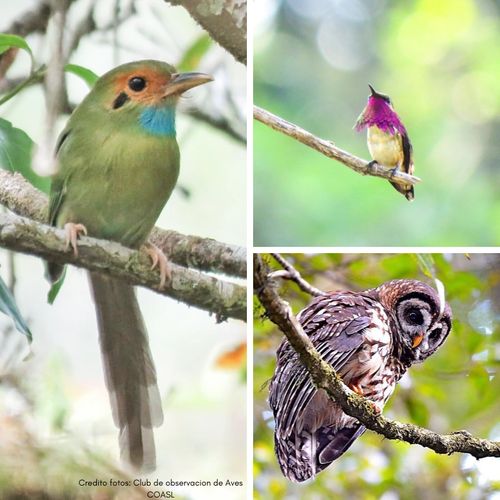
(386, 149)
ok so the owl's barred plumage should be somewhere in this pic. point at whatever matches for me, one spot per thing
(370, 338)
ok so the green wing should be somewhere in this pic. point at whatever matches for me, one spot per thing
(57, 187)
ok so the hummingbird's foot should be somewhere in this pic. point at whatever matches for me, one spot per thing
(394, 170)
(159, 259)
(370, 166)
(73, 231)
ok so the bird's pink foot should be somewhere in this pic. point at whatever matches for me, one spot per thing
(356, 388)
(73, 231)
(159, 259)
(376, 408)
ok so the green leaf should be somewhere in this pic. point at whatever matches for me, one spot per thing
(194, 53)
(56, 286)
(9, 307)
(9, 41)
(88, 76)
(15, 154)
(426, 264)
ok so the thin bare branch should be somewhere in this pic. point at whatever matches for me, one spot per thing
(329, 149)
(324, 377)
(219, 122)
(32, 21)
(292, 274)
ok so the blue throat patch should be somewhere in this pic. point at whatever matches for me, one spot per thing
(159, 120)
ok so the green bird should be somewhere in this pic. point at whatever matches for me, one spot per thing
(118, 163)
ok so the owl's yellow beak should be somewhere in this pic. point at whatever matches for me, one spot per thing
(417, 340)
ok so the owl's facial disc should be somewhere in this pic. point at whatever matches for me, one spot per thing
(414, 316)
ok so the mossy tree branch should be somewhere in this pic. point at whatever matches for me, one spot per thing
(324, 377)
(27, 233)
(205, 254)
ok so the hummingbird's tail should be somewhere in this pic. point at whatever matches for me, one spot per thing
(129, 370)
(407, 190)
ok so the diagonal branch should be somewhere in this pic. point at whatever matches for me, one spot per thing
(324, 377)
(206, 254)
(32, 21)
(330, 150)
(222, 298)
(221, 123)
(224, 20)
(290, 273)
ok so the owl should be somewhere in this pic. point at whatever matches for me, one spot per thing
(370, 339)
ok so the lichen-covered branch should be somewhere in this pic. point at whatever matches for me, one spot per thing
(324, 377)
(330, 150)
(224, 20)
(206, 254)
(222, 298)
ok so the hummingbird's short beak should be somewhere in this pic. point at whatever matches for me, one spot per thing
(374, 92)
(180, 82)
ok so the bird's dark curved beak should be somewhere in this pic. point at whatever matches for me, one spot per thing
(373, 91)
(180, 82)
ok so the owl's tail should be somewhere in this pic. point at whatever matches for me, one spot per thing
(303, 455)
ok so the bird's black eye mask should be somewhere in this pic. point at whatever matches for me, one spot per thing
(121, 99)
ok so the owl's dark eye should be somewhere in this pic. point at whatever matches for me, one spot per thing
(435, 334)
(414, 316)
(137, 83)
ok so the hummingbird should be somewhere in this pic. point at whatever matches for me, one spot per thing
(387, 139)
(117, 165)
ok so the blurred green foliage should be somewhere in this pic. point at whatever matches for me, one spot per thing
(455, 389)
(439, 62)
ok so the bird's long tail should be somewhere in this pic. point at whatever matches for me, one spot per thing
(305, 454)
(129, 370)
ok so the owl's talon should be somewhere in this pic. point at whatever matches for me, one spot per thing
(376, 408)
(356, 388)
(73, 231)
(159, 259)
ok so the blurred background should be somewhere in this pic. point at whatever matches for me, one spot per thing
(440, 64)
(457, 388)
(55, 418)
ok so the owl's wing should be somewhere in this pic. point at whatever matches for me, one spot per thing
(335, 324)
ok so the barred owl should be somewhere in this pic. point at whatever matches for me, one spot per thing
(370, 338)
